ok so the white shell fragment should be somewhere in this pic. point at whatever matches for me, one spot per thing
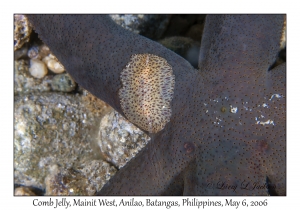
(53, 64)
(37, 68)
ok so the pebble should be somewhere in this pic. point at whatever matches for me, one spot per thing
(38, 51)
(33, 52)
(37, 68)
(25, 83)
(63, 83)
(53, 65)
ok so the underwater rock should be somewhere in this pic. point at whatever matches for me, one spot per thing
(37, 68)
(50, 128)
(38, 51)
(22, 30)
(96, 174)
(53, 64)
(24, 191)
(42, 52)
(33, 52)
(61, 145)
(25, 83)
(151, 26)
(118, 139)
(21, 52)
(84, 181)
(63, 83)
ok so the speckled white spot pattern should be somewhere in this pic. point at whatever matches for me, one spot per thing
(148, 86)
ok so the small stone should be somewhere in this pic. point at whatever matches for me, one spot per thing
(37, 68)
(53, 64)
(38, 51)
(25, 83)
(24, 191)
(44, 50)
(33, 52)
(63, 83)
(151, 26)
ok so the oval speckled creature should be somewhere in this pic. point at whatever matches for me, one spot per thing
(148, 87)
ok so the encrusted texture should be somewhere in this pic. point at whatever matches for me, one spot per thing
(152, 26)
(25, 83)
(148, 87)
(22, 30)
(118, 139)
